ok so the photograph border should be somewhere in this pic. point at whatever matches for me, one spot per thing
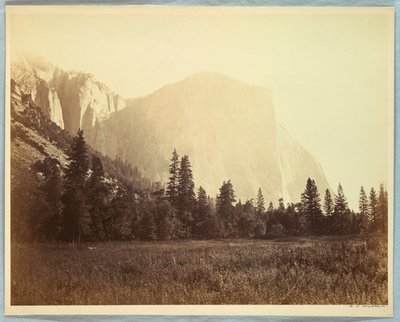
(234, 310)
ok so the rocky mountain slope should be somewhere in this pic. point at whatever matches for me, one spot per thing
(72, 100)
(35, 142)
(34, 136)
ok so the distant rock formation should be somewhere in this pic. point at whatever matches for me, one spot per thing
(72, 100)
(228, 129)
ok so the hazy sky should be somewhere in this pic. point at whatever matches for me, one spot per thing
(328, 73)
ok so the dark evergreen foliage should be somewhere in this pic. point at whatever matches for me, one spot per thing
(225, 209)
(186, 198)
(311, 207)
(165, 220)
(111, 201)
(172, 187)
(363, 216)
(260, 216)
(203, 219)
(51, 186)
(246, 220)
(382, 210)
(341, 214)
(123, 214)
(76, 217)
(328, 203)
(97, 199)
(373, 204)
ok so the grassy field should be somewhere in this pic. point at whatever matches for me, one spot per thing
(304, 271)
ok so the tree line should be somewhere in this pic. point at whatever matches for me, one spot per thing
(82, 203)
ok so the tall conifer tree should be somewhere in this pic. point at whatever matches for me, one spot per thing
(341, 212)
(260, 224)
(260, 204)
(172, 186)
(363, 202)
(186, 198)
(77, 221)
(328, 203)
(202, 215)
(225, 208)
(96, 198)
(382, 209)
(361, 220)
(373, 204)
(311, 206)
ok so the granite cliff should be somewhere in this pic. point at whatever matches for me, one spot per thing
(227, 127)
(72, 100)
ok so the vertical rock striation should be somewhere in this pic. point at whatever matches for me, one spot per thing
(72, 100)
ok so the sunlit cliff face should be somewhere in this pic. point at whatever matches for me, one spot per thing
(72, 100)
(228, 129)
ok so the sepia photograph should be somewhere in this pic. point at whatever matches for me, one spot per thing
(199, 160)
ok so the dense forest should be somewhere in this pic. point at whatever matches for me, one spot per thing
(94, 198)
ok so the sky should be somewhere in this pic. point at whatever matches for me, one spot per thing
(329, 73)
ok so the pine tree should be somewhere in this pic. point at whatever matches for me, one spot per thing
(361, 220)
(311, 206)
(260, 221)
(328, 203)
(78, 161)
(363, 202)
(186, 197)
(341, 213)
(172, 186)
(382, 209)
(202, 215)
(76, 218)
(225, 208)
(97, 193)
(373, 203)
(260, 205)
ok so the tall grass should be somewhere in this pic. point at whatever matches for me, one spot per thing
(308, 271)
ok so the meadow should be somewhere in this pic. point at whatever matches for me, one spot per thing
(296, 271)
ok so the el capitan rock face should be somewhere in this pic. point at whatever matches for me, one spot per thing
(72, 100)
(228, 129)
